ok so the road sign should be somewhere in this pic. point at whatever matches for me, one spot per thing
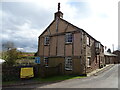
(37, 60)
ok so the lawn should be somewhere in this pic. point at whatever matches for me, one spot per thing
(58, 78)
(48, 79)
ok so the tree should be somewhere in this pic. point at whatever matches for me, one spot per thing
(109, 50)
(11, 54)
(35, 54)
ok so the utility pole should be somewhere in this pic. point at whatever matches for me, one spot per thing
(113, 47)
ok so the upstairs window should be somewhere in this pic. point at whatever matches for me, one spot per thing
(46, 40)
(97, 45)
(69, 38)
(46, 61)
(68, 63)
(88, 41)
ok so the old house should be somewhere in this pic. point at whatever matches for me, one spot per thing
(110, 58)
(65, 44)
(117, 52)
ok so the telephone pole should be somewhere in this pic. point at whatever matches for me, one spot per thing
(113, 47)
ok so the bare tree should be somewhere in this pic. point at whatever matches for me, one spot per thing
(8, 45)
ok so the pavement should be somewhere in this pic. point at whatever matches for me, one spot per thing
(31, 82)
(98, 71)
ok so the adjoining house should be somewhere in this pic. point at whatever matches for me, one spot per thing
(72, 47)
(117, 52)
(110, 58)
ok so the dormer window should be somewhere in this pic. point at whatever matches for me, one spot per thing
(69, 38)
(46, 40)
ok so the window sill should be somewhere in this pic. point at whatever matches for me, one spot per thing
(47, 45)
(68, 69)
(46, 66)
(67, 43)
(88, 66)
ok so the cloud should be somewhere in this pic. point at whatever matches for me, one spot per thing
(23, 22)
(24, 36)
(101, 20)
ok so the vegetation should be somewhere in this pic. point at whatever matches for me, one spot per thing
(10, 56)
(14, 57)
(49, 79)
(109, 50)
(58, 78)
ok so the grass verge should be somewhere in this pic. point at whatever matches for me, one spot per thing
(42, 80)
(58, 78)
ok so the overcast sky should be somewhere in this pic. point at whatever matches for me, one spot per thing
(23, 22)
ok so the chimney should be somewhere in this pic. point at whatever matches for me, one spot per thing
(58, 14)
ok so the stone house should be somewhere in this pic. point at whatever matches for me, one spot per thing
(110, 58)
(65, 44)
(117, 52)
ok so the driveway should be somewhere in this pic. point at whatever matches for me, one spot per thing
(107, 79)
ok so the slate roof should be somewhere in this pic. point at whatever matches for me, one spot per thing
(109, 54)
(69, 24)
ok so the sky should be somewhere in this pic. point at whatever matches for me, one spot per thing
(23, 21)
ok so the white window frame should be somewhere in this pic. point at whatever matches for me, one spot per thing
(68, 63)
(97, 45)
(68, 38)
(88, 62)
(46, 40)
(46, 61)
(88, 41)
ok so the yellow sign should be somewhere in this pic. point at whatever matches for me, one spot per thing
(26, 72)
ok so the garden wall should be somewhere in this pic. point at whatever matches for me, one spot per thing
(10, 73)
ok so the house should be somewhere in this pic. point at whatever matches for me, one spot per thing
(110, 58)
(117, 52)
(72, 47)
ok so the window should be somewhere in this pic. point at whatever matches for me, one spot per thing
(102, 49)
(46, 61)
(88, 40)
(97, 45)
(88, 62)
(96, 59)
(46, 40)
(69, 38)
(68, 63)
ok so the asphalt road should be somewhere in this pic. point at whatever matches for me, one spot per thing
(107, 79)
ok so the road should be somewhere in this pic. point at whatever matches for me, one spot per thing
(107, 79)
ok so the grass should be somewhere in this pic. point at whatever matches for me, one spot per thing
(9, 82)
(58, 78)
(48, 79)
